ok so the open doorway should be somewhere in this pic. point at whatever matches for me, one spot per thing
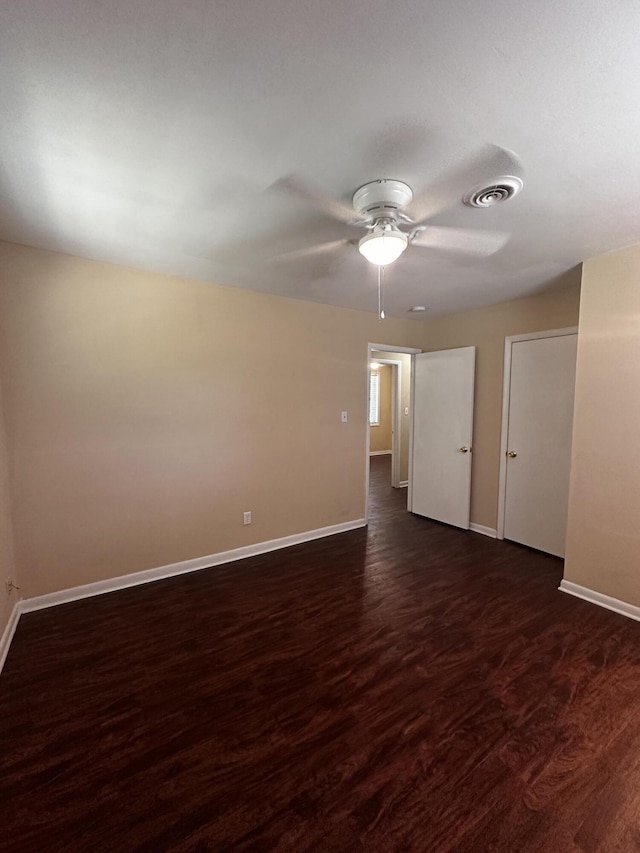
(388, 424)
(385, 382)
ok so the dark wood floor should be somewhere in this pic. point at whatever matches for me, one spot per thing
(409, 688)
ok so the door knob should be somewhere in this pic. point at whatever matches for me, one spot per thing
(463, 449)
(512, 454)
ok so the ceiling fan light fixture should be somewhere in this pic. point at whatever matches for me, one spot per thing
(383, 245)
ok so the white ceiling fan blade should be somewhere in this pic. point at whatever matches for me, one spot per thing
(315, 196)
(466, 241)
(310, 251)
(490, 163)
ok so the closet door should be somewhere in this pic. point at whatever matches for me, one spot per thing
(541, 393)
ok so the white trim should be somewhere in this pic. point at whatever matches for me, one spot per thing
(9, 631)
(64, 596)
(396, 422)
(550, 333)
(390, 348)
(403, 484)
(632, 611)
(412, 397)
(76, 593)
(380, 452)
(506, 392)
(486, 531)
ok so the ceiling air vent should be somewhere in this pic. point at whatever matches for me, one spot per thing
(501, 190)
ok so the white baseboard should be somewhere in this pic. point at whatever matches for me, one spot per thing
(403, 484)
(380, 452)
(602, 600)
(486, 531)
(9, 631)
(64, 596)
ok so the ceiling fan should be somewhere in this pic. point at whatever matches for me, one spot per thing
(395, 219)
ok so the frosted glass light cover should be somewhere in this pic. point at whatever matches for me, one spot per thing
(382, 248)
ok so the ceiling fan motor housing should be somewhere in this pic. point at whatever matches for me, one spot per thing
(383, 198)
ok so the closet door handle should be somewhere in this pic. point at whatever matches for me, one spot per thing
(512, 454)
(463, 449)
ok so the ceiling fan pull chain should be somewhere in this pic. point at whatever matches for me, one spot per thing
(380, 308)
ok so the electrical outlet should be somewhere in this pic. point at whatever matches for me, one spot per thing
(344, 417)
(246, 517)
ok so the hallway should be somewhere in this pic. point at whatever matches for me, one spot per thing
(385, 502)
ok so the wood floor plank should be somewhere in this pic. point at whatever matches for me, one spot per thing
(410, 687)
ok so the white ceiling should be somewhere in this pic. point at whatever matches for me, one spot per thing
(148, 133)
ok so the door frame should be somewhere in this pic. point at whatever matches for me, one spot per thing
(390, 348)
(506, 401)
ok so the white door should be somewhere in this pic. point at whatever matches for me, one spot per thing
(541, 392)
(440, 471)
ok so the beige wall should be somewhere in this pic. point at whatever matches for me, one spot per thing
(7, 572)
(380, 435)
(144, 413)
(486, 329)
(603, 537)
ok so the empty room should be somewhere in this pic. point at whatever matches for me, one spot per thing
(319, 400)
